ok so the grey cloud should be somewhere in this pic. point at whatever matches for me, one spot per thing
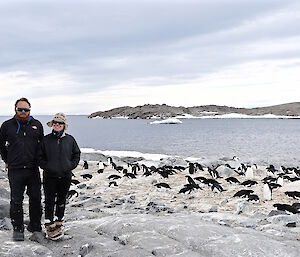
(168, 39)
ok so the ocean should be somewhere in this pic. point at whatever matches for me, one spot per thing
(252, 140)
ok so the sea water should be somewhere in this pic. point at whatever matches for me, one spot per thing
(253, 140)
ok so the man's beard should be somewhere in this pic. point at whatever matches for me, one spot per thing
(22, 118)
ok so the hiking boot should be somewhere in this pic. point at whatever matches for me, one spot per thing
(32, 229)
(53, 232)
(59, 223)
(18, 236)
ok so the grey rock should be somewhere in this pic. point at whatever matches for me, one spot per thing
(132, 159)
(4, 208)
(38, 237)
(81, 185)
(276, 212)
(223, 202)
(85, 249)
(67, 237)
(243, 207)
(225, 222)
(214, 208)
(4, 193)
(21, 251)
(5, 224)
(224, 171)
(284, 219)
(93, 157)
(3, 174)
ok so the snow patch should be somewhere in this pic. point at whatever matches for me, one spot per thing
(167, 121)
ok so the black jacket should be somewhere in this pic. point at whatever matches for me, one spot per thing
(58, 155)
(19, 142)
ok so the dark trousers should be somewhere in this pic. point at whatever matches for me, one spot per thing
(18, 180)
(56, 190)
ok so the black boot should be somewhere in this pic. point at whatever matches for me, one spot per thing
(18, 236)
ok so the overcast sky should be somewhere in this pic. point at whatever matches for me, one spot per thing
(84, 56)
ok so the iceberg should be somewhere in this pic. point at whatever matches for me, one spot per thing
(167, 121)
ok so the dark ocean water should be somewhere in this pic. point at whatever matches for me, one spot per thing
(266, 140)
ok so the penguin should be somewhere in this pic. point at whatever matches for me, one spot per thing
(274, 185)
(112, 183)
(186, 188)
(100, 165)
(129, 175)
(293, 194)
(291, 224)
(239, 171)
(134, 170)
(213, 172)
(268, 179)
(253, 198)
(113, 176)
(147, 173)
(87, 176)
(109, 160)
(201, 179)
(285, 207)
(243, 193)
(191, 168)
(119, 168)
(249, 183)
(192, 182)
(211, 182)
(160, 185)
(280, 181)
(249, 172)
(267, 192)
(72, 193)
(232, 180)
(218, 187)
(179, 168)
(271, 170)
(235, 158)
(296, 206)
(228, 166)
(113, 165)
(74, 181)
(144, 168)
(85, 165)
(199, 166)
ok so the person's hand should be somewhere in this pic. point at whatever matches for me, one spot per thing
(6, 167)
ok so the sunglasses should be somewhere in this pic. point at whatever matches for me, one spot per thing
(58, 122)
(23, 109)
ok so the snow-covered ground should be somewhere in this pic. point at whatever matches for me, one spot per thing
(136, 218)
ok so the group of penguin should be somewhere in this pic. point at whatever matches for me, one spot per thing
(210, 175)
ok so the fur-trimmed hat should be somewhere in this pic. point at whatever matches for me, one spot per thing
(60, 117)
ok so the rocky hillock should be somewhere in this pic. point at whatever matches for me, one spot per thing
(165, 111)
(148, 111)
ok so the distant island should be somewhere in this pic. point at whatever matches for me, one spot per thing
(164, 111)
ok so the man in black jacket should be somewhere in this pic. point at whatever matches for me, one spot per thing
(20, 137)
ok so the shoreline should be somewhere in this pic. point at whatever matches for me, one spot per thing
(94, 155)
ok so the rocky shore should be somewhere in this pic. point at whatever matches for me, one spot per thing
(134, 207)
(148, 111)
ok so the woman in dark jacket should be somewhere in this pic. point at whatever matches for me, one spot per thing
(59, 155)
